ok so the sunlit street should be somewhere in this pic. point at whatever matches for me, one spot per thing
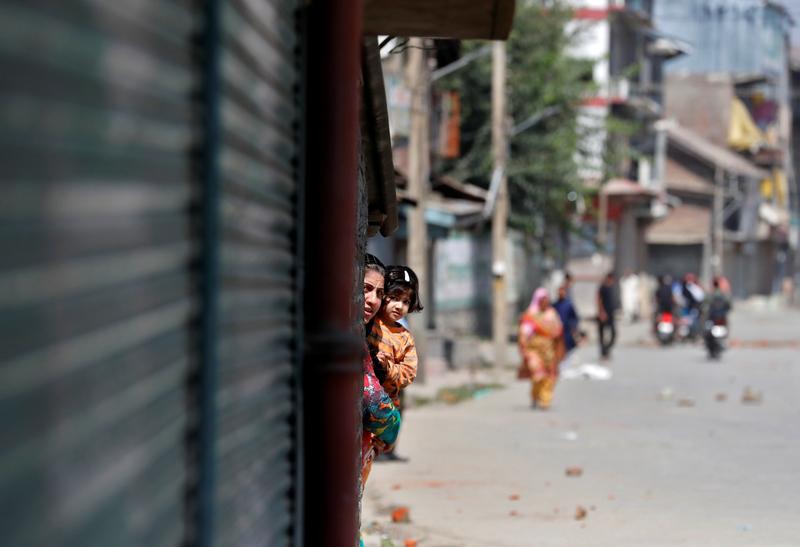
(670, 454)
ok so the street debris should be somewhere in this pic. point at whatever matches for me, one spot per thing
(589, 371)
(458, 394)
(580, 513)
(765, 344)
(397, 486)
(513, 513)
(574, 471)
(721, 397)
(686, 402)
(751, 396)
(513, 497)
(570, 436)
(401, 515)
(666, 394)
(411, 543)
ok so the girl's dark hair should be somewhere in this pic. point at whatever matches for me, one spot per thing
(371, 262)
(401, 280)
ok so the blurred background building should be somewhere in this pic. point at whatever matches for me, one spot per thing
(707, 184)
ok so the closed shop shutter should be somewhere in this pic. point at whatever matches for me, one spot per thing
(96, 130)
(257, 305)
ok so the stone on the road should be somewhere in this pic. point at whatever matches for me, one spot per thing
(751, 396)
(401, 514)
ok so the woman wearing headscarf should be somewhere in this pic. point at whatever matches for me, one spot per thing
(541, 347)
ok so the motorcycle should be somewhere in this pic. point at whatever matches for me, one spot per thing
(716, 337)
(688, 325)
(665, 328)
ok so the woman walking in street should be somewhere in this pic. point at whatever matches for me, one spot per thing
(541, 347)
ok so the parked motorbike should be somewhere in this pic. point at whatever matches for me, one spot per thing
(665, 328)
(716, 337)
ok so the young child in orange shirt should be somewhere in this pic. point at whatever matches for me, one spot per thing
(391, 344)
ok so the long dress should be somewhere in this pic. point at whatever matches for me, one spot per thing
(380, 418)
(542, 349)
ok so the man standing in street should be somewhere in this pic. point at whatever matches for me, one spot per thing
(606, 306)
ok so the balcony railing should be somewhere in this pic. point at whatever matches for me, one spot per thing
(623, 90)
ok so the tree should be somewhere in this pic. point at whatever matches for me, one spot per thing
(545, 159)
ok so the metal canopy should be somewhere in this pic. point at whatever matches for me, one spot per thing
(703, 149)
(684, 225)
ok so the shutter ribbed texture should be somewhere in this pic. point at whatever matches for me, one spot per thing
(96, 130)
(257, 306)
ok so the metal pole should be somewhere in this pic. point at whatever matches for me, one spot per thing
(602, 224)
(660, 155)
(719, 227)
(332, 369)
(418, 77)
(500, 213)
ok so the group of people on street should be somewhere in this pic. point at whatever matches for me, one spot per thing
(687, 300)
(547, 333)
(389, 355)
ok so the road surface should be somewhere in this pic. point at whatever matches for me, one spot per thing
(669, 452)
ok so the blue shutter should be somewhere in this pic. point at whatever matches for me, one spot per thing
(96, 133)
(255, 400)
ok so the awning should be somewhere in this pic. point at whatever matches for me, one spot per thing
(453, 213)
(463, 19)
(683, 225)
(715, 155)
(450, 203)
(665, 45)
(666, 48)
(377, 145)
(679, 177)
(452, 188)
(626, 188)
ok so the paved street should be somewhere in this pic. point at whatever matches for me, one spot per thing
(665, 462)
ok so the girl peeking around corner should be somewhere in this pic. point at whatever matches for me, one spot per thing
(391, 344)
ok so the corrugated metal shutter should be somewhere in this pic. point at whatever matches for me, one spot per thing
(255, 401)
(96, 126)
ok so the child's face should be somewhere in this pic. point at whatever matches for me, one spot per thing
(396, 307)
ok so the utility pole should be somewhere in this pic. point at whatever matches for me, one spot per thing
(719, 222)
(602, 224)
(500, 212)
(418, 78)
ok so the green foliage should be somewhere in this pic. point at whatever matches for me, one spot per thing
(544, 160)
